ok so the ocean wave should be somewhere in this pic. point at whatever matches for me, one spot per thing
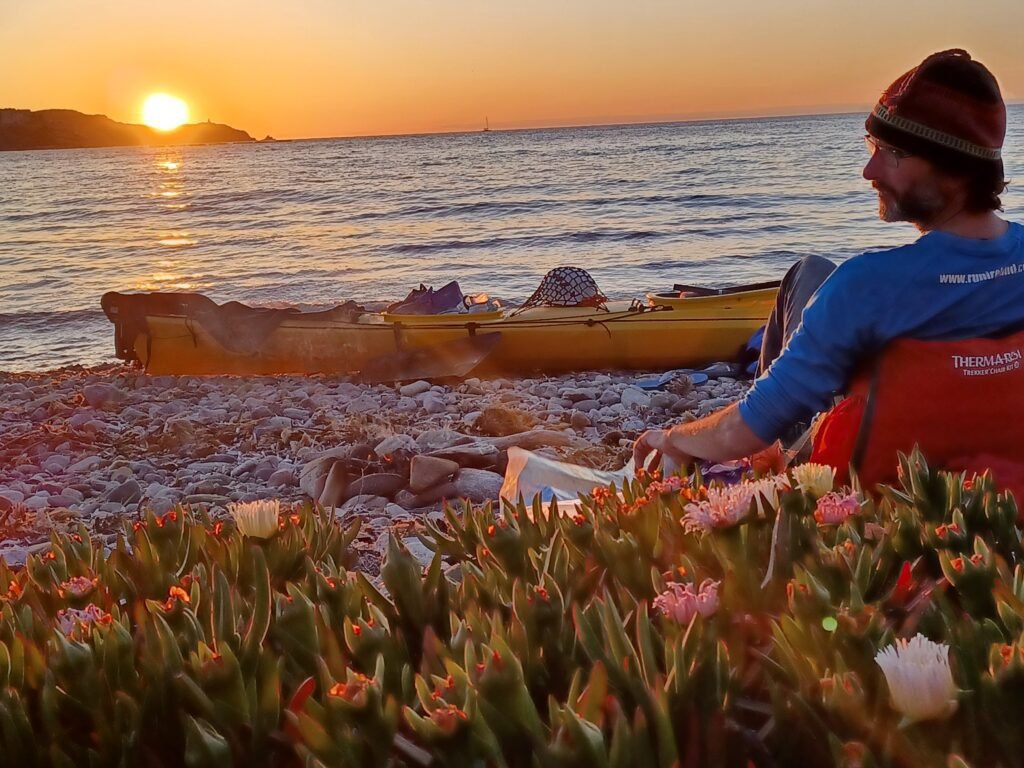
(486, 208)
(51, 321)
(592, 236)
(472, 208)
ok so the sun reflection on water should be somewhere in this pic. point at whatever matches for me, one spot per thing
(144, 285)
(170, 183)
(169, 280)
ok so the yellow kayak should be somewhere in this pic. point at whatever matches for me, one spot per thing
(188, 334)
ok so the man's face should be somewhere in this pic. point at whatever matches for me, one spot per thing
(909, 187)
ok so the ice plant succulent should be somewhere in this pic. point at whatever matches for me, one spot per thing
(261, 652)
(814, 479)
(681, 603)
(448, 718)
(671, 484)
(257, 519)
(353, 690)
(919, 678)
(834, 508)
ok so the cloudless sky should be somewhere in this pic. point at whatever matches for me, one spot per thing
(306, 68)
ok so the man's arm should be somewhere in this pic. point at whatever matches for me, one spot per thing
(722, 436)
(830, 340)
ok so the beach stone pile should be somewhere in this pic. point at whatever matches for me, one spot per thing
(98, 446)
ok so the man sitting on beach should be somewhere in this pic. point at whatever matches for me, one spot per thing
(935, 141)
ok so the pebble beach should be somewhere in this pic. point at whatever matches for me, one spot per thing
(98, 446)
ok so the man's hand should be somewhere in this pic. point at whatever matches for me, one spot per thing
(722, 436)
(659, 443)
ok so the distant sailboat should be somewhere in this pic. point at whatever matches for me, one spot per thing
(487, 125)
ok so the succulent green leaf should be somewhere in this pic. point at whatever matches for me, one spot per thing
(205, 747)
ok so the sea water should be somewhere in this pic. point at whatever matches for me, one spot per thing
(316, 223)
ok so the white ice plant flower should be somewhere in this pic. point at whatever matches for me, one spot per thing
(919, 678)
(767, 491)
(257, 519)
(814, 479)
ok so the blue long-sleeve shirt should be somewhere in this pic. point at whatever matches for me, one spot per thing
(940, 287)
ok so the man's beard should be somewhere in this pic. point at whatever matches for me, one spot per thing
(920, 205)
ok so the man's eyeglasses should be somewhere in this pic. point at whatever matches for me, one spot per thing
(891, 155)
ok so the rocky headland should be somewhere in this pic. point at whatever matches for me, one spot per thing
(98, 446)
(22, 129)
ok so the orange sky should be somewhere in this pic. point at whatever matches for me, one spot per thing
(356, 67)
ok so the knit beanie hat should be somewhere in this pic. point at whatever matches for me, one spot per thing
(948, 109)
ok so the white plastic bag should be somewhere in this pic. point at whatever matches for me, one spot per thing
(530, 475)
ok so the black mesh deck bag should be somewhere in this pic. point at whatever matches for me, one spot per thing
(566, 287)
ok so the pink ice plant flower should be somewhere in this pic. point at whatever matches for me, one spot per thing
(727, 505)
(681, 603)
(834, 508)
(78, 586)
(724, 506)
(69, 618)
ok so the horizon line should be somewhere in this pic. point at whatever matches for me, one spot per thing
(611, 123)
(839, 110)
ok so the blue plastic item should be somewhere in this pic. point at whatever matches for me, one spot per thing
(657, 382)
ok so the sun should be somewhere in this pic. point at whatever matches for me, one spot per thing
(164, 112)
